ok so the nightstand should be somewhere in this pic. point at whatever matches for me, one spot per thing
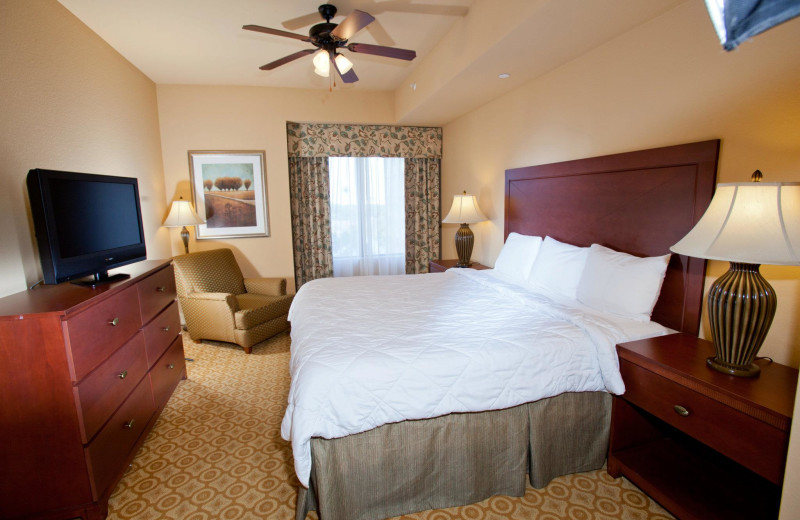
(440, 266)
(705, 445)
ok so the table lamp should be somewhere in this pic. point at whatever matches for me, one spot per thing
(465, 211)
(182, 214)
(746, 224)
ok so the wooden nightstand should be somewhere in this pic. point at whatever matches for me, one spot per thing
(440, 266)
(703, 444)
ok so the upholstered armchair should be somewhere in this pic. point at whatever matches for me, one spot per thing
(220, 304)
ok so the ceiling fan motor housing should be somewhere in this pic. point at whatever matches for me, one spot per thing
(321, 33)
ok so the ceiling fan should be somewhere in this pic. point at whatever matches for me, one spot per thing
(328, 38)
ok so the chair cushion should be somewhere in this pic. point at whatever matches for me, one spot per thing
(255, 309)
(214, 271)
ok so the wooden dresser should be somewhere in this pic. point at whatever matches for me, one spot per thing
(704, 444)
(84, 374)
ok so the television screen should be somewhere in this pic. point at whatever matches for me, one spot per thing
(85, 224)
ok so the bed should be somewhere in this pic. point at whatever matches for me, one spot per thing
(470, 425)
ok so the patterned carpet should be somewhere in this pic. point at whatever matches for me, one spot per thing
(216, 453)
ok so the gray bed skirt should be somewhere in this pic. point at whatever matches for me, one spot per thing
(457, 459)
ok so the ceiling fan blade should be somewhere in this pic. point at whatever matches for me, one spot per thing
(301, 21)
(349, 77)
(286, 59)
(276, 32)
(380, 50)
(354, 22)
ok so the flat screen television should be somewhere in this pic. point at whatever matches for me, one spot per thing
(85, 224)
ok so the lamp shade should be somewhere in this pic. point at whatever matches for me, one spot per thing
(182, 214)
(322, 63)
(748, 222)
(465, 210)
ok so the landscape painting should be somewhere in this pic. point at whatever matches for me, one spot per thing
(230, 193)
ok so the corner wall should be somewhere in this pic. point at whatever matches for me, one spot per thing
(665, 82)
(252, 118)
(69, 102)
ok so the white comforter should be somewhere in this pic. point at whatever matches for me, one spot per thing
(367, 351)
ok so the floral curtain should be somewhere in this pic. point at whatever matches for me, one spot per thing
(309, 196)
(421, 147)
(423, 241)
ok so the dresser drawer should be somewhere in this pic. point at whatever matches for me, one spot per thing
(97, 332)
(102, 391)
(109, 451)
(156, 292)
(736, 435)
(167, 372)
(159, 333)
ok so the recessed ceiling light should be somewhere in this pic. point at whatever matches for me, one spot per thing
(504, 75)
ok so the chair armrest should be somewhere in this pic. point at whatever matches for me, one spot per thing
(229, 299)
(266, 286)
(210, 315)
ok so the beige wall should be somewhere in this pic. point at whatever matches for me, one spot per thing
(666, 82)
(252, 118)
(69, 102)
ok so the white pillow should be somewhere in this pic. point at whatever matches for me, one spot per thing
(558, 267)
(517, 255)
(620, 283)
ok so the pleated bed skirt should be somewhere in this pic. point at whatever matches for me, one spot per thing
(457, 459)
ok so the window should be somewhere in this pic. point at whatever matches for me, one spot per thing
(367, 215)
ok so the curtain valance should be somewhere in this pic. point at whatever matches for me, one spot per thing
(334, 139)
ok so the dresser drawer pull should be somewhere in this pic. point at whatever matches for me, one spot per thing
(161, 289)
(128, 425)
(114, 322)
(165, 329)
(123, 374)
(680, 410)
(171, 366)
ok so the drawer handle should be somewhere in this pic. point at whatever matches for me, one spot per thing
(123, 374)
(171, 366)
(128, 425)
(680, 410)
(114, 322)
(161, 289)
(166, 329)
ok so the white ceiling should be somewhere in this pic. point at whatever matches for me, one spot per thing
(202, 41)
(461, 45)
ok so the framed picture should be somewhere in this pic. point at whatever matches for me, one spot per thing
(230, 193)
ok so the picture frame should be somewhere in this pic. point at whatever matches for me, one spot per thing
(229, 191)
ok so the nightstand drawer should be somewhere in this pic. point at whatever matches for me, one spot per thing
(743, 438)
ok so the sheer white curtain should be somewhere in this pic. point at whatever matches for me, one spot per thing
(367, 215)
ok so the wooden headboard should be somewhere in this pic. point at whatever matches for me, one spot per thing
(639, 202)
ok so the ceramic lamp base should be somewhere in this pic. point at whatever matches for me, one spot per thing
(464, 242)
(741, 306)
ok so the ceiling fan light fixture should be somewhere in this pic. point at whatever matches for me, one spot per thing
(343, 63)
(322, 63)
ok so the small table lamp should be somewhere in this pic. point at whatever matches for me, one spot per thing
(747, 224)
(465, 211)
(182, 214)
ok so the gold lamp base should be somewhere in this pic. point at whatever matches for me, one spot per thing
(464, 242)
(741, 306)
(185, 238)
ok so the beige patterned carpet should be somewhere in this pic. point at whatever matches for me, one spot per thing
(216, 453)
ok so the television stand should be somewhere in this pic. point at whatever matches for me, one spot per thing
(101, 278)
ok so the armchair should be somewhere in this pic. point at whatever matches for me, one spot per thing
(220, 304)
